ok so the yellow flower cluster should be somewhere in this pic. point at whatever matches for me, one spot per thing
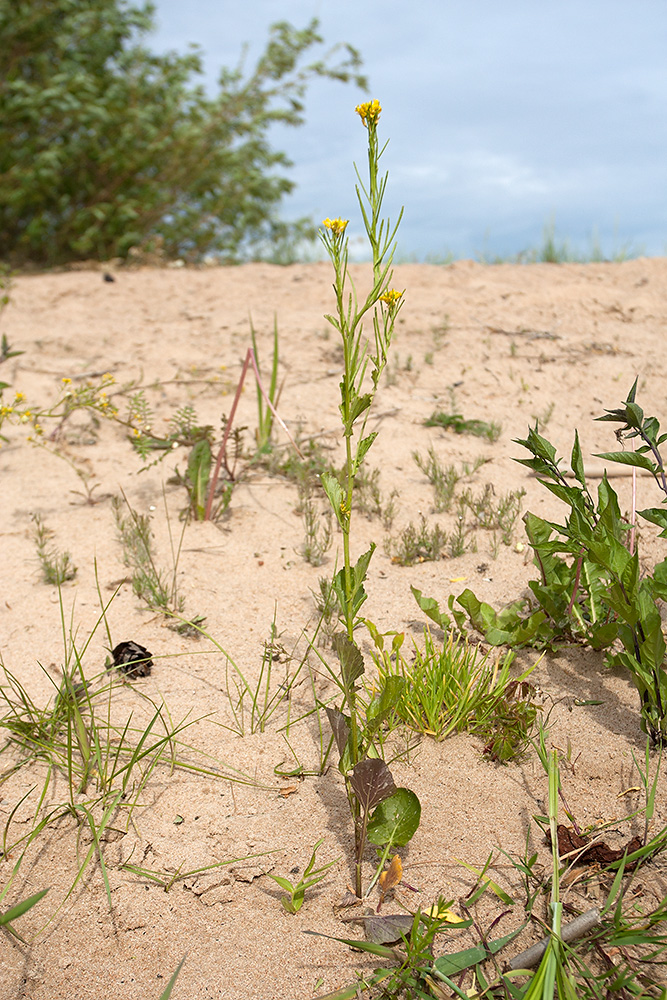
(391, 298)
(337, 226)
(369, 112)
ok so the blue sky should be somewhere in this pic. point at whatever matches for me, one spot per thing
(502, 116)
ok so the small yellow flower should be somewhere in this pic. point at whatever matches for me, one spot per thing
(391, 298)
(108, 378)
(337, 226)
(19, 397)
(66, 381)
(369, 112)
(344, 509)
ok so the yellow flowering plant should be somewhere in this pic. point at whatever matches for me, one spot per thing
(382, 813)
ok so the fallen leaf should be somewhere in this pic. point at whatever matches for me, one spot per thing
(392, 876)
(571, 843)
(288, 790)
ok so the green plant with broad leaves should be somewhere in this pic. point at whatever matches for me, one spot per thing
(383, 814)
(590, 589)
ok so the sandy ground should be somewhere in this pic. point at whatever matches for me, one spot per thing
(512, 344)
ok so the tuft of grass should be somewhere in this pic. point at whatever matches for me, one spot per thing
(57, 567)
(452, 688)
(105, 760)
(417, 544)
(456, 422)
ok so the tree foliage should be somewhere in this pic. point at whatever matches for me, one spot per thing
(105, 145)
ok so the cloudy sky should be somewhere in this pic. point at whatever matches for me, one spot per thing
(502, 116)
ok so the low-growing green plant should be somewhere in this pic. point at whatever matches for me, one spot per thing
(369, 500)
(495, 515)
(265, 409)
(57, 567)
(382, 813)
(453, 688)
(296, 892)
(443, 480)
(253, 704)
(417, 544)
(317, 525)
(456, 422)
(590, 589)
(155, 586)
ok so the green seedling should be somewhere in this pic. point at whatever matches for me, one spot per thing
(6, 351)
(266, 409)
(253, 705)
(369, 786)
(455, 422)
(150, 583)
(317, 525)
(57, 567)
(296, 893)
(443, 480)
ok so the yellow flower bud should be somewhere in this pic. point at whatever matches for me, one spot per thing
(336, 226)
(369, 112)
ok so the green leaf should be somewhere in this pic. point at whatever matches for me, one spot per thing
(351, 660)
(199, 473)
(656, 515)
(396, 819)
(334, 491)
(452, 965)
(627, 458)
(577, 461)
(362, 450)
(359, 405)
(166, 993)
(14, 912)
(431, 609)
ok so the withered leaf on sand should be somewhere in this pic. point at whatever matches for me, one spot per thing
(570, 842)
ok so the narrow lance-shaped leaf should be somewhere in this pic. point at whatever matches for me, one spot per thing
(627, 458)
